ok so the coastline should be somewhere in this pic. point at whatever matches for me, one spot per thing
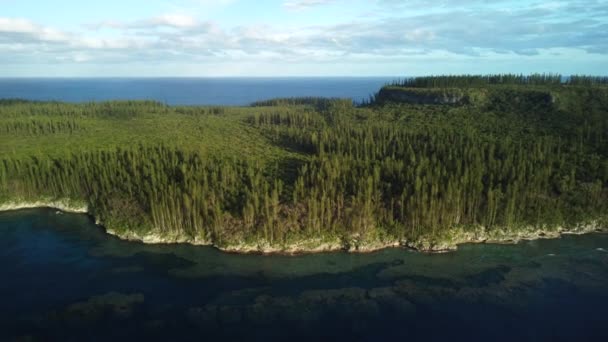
(64, 205)
(446, 242)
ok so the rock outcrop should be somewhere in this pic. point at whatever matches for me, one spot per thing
(446, 96)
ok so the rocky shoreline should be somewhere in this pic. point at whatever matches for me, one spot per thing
(446, 242)
(62, 205)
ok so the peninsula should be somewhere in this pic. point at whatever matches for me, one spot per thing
(427, 163)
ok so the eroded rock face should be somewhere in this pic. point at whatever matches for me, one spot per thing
(425, 96)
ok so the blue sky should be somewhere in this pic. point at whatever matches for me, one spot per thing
(75, 38)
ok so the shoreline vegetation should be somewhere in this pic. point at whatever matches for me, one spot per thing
(442, 244)
(427, 163)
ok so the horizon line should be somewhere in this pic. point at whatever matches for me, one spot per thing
(292, 76)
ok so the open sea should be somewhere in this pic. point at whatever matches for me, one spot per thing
(188, 91)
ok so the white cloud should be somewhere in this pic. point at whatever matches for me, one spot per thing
(419, 35)
(180, 38)
(296, 5)
(173, 20)
(17, 25)
(24, 31)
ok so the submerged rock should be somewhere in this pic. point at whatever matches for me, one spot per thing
(117, 304)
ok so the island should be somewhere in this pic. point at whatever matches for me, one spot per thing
(426, 163)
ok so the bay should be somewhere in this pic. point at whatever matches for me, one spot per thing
(63, 278)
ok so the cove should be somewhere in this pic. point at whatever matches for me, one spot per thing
(63, 278)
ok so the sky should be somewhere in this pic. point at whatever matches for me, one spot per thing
(206, 38)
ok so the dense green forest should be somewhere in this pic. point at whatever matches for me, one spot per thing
(423, 157)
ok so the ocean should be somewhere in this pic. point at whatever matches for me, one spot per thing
(188, 91)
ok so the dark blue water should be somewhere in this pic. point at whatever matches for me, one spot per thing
(188, 91)
(62, 278)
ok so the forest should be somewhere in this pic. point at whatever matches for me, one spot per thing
(498, 151)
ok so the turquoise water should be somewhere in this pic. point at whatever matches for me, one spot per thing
(189, 91)
(63, 279)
